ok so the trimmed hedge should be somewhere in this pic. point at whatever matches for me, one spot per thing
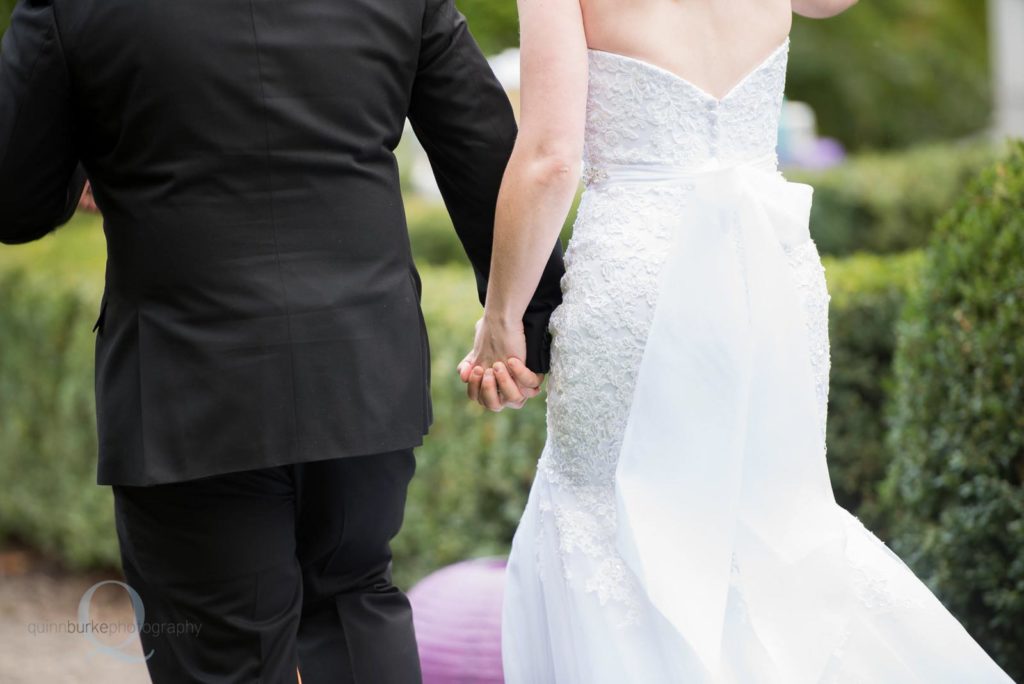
(474, 470)
(48, 496)
(6, 7)
(881, 203)
(434, 240)
(955, 492)
(868, 293)
(889, 202)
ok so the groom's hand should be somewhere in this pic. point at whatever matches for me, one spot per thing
(504, 385)
(494, 372)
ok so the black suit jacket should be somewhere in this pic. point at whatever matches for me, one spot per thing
(261, 303)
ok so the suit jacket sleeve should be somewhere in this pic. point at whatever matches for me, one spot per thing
(464, 121)
(40, 179)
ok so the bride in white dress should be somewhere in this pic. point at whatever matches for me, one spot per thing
(681, 526)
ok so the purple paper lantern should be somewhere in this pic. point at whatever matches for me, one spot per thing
(457, 613)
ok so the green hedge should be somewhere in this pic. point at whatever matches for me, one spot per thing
(6, 7)
(955, 489)
(475, 468)
(868, 293)
(47, 423)
(879, 202)
(434, 240)
(889, 202)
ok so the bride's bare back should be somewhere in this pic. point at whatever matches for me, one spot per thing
(711, 43)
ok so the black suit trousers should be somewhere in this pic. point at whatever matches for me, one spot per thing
(249, 576)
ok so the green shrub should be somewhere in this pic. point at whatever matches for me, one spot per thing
(890, 74)
(868, 293)
(495, 23)
(475, 468)
(431, 233)
(434, 240)
(889, 202)
(47, 422)
(6, 7)
(876, 202)
(954, 490)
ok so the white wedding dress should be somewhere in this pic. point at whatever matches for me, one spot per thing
(682, 527)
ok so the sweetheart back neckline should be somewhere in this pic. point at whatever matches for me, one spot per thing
(781, 48)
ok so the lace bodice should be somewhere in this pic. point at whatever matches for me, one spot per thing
(638, 113)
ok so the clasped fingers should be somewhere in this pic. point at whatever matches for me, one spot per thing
(503, 385)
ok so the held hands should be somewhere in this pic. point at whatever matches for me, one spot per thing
(495, 374)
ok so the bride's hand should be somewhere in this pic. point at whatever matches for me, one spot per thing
(494, 371)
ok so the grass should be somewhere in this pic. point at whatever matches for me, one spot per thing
(75, 255)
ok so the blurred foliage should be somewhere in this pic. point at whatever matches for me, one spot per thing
(868, 293)
(887, 74)
(73, 257)
(881, 75)
(434, 240)
(474, 469)
(494, 23)
(47, 436)
(473, 473)
(889, 202)
(955, 492)
(6, 7)
(431, 233)
(882, 202)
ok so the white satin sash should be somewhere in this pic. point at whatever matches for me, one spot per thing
(722, 462)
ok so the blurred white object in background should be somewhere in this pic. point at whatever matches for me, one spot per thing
(1006, 25)
(506, 68)
(422, 182)
(799, 144)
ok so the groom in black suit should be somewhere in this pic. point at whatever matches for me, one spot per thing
(261, 363)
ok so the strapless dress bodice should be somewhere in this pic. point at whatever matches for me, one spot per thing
(641, 114)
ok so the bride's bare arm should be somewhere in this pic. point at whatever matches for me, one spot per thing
(542, 174)
(821, 9)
